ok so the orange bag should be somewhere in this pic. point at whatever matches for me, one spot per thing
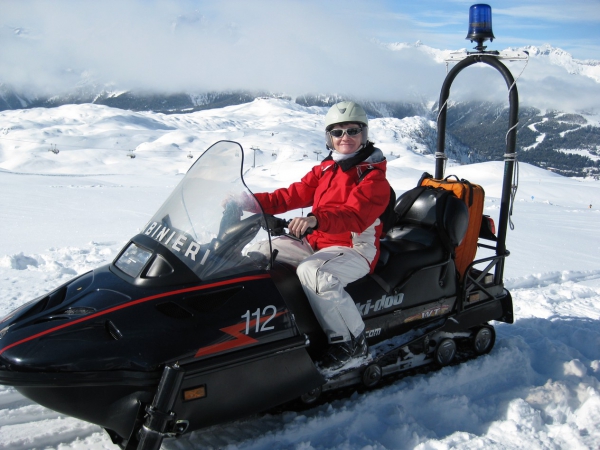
(473, 195)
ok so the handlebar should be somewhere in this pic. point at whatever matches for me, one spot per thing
(278, 225)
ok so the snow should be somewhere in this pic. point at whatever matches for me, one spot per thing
(63, 214)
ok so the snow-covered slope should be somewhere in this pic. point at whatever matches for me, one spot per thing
(66, 213)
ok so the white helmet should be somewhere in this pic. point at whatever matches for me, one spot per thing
(346, 112)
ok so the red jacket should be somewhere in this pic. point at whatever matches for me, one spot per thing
(347, 210)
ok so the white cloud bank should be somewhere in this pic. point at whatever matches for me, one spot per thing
(292, 47)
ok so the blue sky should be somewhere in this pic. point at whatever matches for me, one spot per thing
(572, 25)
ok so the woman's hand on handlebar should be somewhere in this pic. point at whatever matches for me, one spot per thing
(299, 225)
(241, 200)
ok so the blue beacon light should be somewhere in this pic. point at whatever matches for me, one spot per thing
(480, 25)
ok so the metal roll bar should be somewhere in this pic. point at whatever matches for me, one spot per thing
(511, 141)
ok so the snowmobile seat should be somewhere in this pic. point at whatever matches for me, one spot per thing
(431, 223)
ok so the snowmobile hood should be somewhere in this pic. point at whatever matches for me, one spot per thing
(167, 294)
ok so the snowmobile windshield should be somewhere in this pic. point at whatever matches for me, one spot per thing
(211, 218)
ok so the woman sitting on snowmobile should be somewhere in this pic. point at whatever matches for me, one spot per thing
(346, 206)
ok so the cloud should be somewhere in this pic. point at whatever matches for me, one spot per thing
(293, 47)
(576, 11)
(540, 84)
(550, 86)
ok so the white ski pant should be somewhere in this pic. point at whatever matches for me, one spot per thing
(323, 275)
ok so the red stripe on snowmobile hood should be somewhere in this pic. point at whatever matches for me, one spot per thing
(133, 303)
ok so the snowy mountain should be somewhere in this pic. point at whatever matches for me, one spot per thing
(89, 89)
(68, 212)
(272, 125)
(556, 56)
(553, 86)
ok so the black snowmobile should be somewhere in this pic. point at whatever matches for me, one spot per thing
(187, 329)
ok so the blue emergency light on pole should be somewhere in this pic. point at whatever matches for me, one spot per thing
(480, 30)
(480, 25)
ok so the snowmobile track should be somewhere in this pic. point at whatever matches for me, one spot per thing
(464, 354)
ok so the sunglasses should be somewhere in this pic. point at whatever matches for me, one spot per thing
(338, 133)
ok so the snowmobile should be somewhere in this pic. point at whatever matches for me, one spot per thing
(186, 328)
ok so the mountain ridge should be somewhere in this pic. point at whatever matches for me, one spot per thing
(566, 142)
